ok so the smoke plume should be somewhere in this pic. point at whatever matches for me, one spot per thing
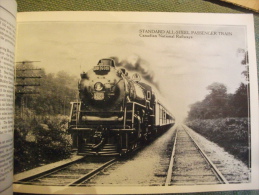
(135, 63)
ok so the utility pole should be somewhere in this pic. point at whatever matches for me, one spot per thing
(27, 79)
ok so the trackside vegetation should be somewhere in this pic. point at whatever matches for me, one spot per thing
(41, 118)
(229, 133)
(224, 119)
(40, 141)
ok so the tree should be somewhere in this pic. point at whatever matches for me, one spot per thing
(245, 62)
(55, 93)
(216, 102)
(219, 104)
(240, 100)
(197, 111)
(217, 89)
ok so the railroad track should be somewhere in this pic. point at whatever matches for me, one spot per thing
(70, 174)
(189, 165)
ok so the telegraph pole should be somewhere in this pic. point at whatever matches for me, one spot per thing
(27, 79)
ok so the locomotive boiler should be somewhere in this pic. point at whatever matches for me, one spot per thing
(115, 114)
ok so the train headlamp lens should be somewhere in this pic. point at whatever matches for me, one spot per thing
(98, 86)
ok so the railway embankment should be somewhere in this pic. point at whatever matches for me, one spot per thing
(234, 170)
(45, 168)
(232, 134)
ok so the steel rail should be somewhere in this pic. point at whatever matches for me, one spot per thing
(92, 173)
(171, 164)
(216, 171)
(47, 172)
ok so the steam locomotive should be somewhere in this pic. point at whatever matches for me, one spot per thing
(115, 114)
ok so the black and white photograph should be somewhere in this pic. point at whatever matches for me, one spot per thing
(115, 102)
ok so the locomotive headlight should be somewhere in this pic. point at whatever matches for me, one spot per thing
(98, 86)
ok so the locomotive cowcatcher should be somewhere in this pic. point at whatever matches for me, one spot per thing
(115, 114)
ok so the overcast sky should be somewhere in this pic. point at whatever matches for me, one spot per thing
(183, 67)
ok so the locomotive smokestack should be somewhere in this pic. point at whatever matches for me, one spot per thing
(84, 75)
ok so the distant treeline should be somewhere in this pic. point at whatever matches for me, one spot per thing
(220, 104)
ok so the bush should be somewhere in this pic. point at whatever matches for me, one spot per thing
(40, 140)
(53, 142)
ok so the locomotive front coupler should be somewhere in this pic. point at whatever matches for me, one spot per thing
(100, 135)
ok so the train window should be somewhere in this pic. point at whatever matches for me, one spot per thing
(148, 95)
(161, 112)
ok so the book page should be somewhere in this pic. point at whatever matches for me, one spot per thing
(126, 102)
(252, 4)
(7, 48)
